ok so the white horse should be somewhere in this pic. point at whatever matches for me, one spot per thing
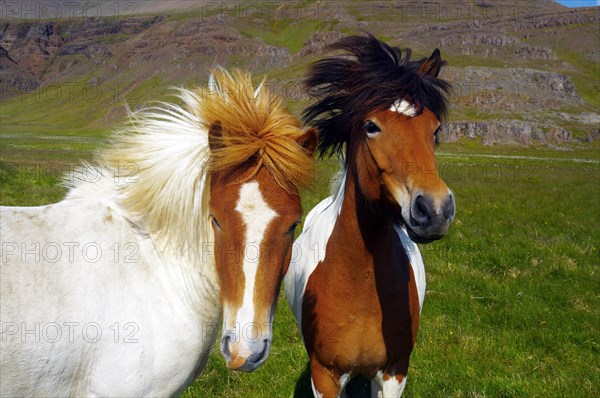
(118, 289)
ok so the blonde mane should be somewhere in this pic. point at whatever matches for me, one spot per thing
(158, 161)
(255, 124)
(159, 165)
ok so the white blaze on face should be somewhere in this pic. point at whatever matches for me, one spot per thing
(256, 215)
(403, 107)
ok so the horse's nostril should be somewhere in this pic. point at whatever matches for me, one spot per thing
(260, 350)
(421, 206)
(264, 350)
(225, 345)
(449, 209)
(421, 211)
(267, 343)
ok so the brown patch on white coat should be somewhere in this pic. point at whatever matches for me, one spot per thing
(260, 158)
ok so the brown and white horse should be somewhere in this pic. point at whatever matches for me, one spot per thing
(356, 282)
(118, 290)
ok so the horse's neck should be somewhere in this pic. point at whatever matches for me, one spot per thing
(198, 282)
(363, 223)
(369, 254)
(190, 272)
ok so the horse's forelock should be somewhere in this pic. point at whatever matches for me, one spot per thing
(255, 124)
(368, 75)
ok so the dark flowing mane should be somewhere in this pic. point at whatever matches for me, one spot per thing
(370, 75)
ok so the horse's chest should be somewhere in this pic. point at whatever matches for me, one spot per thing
(364, 318)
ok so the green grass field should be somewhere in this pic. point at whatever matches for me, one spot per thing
(513, 291)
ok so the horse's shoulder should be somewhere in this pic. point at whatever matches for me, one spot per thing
(317, 228)
(309, 250)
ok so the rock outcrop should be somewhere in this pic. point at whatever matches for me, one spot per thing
(514, 132)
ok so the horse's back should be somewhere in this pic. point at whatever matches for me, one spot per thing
(51, 246)
(40, 243)
(65, 218)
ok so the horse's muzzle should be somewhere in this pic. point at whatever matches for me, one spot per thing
(430, 218)
(244, 355)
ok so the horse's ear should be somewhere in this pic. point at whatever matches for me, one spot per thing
(432, 66)
(309, 140)
(215, 136)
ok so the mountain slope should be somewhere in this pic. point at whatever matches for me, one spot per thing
(535, 62)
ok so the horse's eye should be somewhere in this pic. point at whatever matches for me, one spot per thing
(214, 221)
(371, 128)
(293, 228)
(436, 136)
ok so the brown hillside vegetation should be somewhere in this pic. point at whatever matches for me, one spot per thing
(528, 69)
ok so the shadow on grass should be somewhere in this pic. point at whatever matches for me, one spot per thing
(358, 387)
(303, 388)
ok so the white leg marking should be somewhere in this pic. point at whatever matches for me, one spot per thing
(257, 215)
(389, 388)
(316, 392)
(375, 388)
(344, 379)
